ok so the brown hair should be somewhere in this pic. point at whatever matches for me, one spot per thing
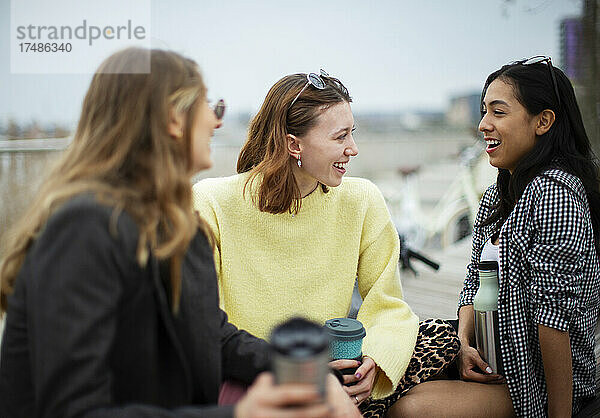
(123, 154)
(265, 152)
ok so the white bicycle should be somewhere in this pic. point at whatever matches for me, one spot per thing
(453, 214)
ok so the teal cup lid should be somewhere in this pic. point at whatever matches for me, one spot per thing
(346, 329)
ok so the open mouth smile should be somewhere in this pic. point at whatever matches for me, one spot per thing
(341, 167)
(492, 144)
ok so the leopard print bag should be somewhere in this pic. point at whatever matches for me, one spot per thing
(436, 347)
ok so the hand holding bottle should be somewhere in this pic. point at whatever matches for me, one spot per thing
(472, 367)
(266, 399)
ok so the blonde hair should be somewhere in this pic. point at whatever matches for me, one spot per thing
(123, 154)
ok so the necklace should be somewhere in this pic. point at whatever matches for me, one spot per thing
(309, 193)
(306, 195)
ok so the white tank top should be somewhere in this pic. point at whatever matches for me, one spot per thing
(490, 253)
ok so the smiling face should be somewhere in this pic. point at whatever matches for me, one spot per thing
(508, 129)
(326, 149)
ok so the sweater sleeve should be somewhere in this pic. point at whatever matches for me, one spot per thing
(206, 208)
(243, 355)
(390, 323)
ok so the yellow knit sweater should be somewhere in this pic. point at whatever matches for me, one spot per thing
(271, 267)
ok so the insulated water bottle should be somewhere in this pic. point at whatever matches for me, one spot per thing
(300, 353)
(485, 305)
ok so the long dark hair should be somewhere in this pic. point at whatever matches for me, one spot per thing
(565, 145)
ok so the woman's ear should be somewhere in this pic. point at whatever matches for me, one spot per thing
(545, 121)
(293, 145)
(175, 125)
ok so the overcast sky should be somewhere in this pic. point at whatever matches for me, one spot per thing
(392, 55)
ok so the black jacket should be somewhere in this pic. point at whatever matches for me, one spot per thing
(89, 333)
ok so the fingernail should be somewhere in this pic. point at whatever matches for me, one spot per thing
(358, 375)
(489, 369)
(358, 362)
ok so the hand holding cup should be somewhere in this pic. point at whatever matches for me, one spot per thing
(346, 351)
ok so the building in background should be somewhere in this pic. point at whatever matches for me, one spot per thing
(464, 111)
(580, 60)
(589, 97)
(571, 49)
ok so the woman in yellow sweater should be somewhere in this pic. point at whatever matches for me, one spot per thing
(292, 235)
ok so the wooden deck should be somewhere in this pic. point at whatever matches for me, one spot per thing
(434, 294)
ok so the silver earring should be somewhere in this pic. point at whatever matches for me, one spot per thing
(299, 162)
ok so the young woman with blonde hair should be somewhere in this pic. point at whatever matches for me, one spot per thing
(292, 235)
(108, 282)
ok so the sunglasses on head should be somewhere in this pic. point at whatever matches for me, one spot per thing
(536, 60)
(312, 79)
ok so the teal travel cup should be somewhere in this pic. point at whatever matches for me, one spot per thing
(346, 336)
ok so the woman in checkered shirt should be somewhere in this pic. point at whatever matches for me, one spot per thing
(541, 222)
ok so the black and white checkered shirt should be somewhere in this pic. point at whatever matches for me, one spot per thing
(549, 276)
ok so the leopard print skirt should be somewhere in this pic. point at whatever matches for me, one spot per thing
(437, 346)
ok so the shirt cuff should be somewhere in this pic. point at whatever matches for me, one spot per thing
(552, 317)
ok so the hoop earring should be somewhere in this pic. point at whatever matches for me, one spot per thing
(299, 162)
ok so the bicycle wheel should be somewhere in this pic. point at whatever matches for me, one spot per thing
(458, 227)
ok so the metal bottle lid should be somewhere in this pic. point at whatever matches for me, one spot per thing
(299, 337)
(488, 266)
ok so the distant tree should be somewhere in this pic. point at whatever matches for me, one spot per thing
(61, 131)
(13, 131)
(34, 130)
